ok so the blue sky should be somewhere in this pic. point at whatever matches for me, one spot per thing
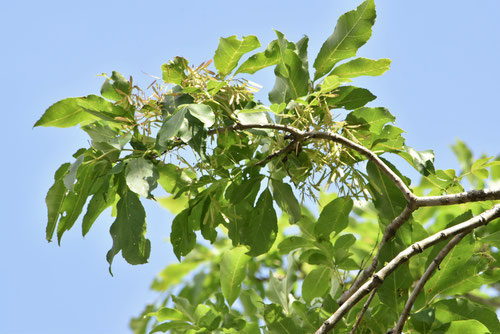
(442, 85)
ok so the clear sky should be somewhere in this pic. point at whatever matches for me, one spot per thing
(443, 85)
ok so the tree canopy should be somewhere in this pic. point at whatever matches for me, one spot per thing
(384, 253)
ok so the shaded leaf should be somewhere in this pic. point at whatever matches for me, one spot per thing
(182, 236)
(316, 283)
(463, 309)
(141, 176)
(333, 218)
(54, 200)
(260, 230)
(128, 231)
(292, 76)
(116, 87)
(171, 126)
(74, 201)
(284, 197)
(278, 323)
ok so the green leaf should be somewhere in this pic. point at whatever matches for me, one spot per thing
(173, 99)
(261, 60)
(232, 272)
(387, 198)
(284, 197)
(182, 236)
(230, 51)
(492, 239)
(293, 242)
(278, 323)
(117, 90)
(362, 66)
(176, 325)
(350, 97)
(202, 112)
(455, 267)
(171, 126)
(333, 218)
(141, 176)
(70, 177)
(372, 119)
(316, 283)
(174, 274)
(463, 309)
(106, 139)
(467, 326)
(167, 313)
(65, 113)
(55, 199)
(128, 231)
(102, 199)
(259, 231)
(342, 246)
(277, 292)
(423, 161)
(173, 178)
(73, 204)
(174, 71)
(463, 154)
(353, 29)
(292, 75)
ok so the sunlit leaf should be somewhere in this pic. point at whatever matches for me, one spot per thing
(174, 71)
(232, 272)
(230, 51)
(261, 60)
(362, 66)
(353, 29)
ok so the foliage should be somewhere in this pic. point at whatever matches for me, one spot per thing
(238, 174)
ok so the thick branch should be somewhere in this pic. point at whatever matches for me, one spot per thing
(464, 197)
(418, 247)
(301, 135)
(425, 277)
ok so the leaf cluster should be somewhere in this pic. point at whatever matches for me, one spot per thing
(236, 173)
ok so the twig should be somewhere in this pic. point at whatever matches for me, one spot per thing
(390, 231)
(285, 150)
(363, 311)
(418, 247)
(425, 277)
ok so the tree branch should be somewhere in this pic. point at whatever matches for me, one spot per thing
(460, 198)
(363, 311)
(390, 231)
(425, 277)
(418, 247)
